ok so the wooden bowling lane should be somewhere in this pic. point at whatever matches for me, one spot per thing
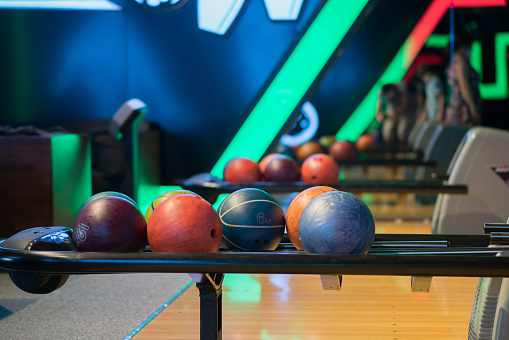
(294, 307)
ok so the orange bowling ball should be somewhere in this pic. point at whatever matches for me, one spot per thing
(320, 169)
(366, 142)
(295, 211)
(307, 149)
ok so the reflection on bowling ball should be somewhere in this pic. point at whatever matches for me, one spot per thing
(343, 151)
(242, 170)
(282, 169)
(295, 209)
(110, 224)
(336, 222)
(307, 149)
(162, 197)
(108, 193)
(184, 224)
(252, 221)
(366, 142)
(320, 169)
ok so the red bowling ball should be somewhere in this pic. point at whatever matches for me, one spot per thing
(184, 224)
(320, 169)
(366, 142)
(242, 170)
(110, 224)
(343, 151)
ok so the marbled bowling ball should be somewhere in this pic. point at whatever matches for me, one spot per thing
(336, 222)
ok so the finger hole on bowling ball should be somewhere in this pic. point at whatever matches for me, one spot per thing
(37, 232)
(212, 233)
(257, 242)
(314, 177)
(265, 242)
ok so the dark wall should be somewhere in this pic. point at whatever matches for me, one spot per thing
(61, 65)
(73, 65)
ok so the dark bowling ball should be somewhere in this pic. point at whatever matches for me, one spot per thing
(286, 150)
(320, 169)
(242, 170)
(262, 164)
(336, 222)
(184, 223)
(110, 224)
(282, 169)
(252, 221)
(343, 151)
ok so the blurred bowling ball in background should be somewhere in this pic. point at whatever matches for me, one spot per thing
(252, 221)
(343, 151)
(163, 197)
(336, 222)
(327, 141)
(295, 209)
(242, 170)
(286, 150)
(320, 169)
(184, 224)
(282, 169)
(262, 164)
(110, 224)
(366, 142)
(307, 149)
(109, 193)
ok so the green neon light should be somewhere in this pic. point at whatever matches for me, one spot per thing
(71, 165)
(498, 89)
(363, 116)
(292, 82)
(437, 40)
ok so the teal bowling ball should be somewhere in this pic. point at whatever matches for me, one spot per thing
(336, 222)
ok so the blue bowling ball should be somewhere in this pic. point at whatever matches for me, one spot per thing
(336, 222)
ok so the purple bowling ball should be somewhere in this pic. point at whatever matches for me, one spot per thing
(110, 224)
(282, 169)
(336, 222)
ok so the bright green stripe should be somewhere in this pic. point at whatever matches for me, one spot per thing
(498, 89)
(71, 165)
(292, 82)
(437, 40)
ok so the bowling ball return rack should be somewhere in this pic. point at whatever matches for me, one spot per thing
(40, 260)
(210, 187)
